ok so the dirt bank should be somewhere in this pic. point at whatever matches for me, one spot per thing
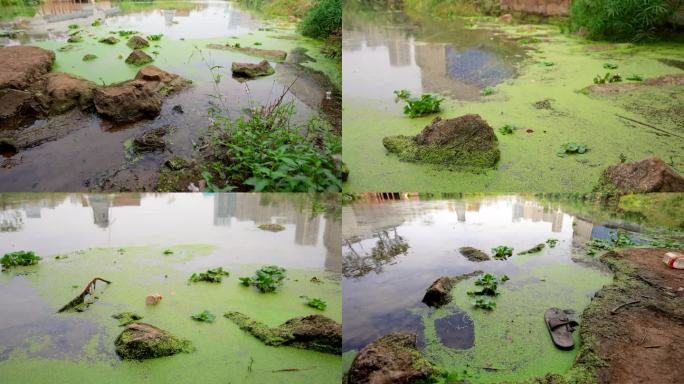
(633, 331)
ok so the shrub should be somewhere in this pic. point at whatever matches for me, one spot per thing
(322, 20)
(622, 20)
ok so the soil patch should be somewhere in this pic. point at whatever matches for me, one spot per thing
(650, 175)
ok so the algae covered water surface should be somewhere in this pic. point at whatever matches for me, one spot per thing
(151, 244)
(538, 78)
(396, 245)
(184, 30)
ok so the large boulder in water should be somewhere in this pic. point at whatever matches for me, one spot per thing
(161, 81)
(392, 359)
(250, 71)
(466, 141)
(137, 42)
(128, 101)
(15, 108)
(650, 175)
(22, 65)
(138, 57)
(62, 92)
(439, 292)
(141, 341)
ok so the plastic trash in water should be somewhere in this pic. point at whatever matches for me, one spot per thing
(674, 260)
(328, 95)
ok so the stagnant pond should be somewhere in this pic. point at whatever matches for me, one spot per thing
(92, 155)
(395, 246)
(538, 76)
(148, 244)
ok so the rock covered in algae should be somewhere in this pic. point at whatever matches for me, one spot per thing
(138, 57)
(111, 40)
(650, 175)
(141, 341)
(315, 332)
(392, 359)
(126, 318)
(271, 227)
(536, 249)
(473, 254)
(137, 42)
(466, 141)
(439, 292)
(251, 71)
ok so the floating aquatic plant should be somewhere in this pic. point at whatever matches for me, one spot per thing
(487, 91)
(507, 129)
(610, 66)
(484, 303)
(502, 252)
(205, 316)
(154, 37)
(607, 78)
(315, 302)
(168, 252)
(73, 26)
(548, 63)
(416, 107)
(552, 242)
(19, 258)
(571, 148)
(214, 275)
(635, 77)
(266, 279)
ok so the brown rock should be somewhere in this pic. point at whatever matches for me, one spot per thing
(470, 130)
(128, 101)
(251, 71)
(650, 175)
(439, 292)
(22, 65)
(160, 80)
(392, 359)
(63, 92)
(15, 108)
(137, 42)
(138, 57)
(315, 332)
(507, 18)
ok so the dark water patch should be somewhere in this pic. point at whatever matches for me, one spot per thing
(456, 331)
(7, 150)
(380, 325)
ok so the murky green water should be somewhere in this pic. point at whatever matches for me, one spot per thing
(188, 27)
(394, 249)
(123, 238)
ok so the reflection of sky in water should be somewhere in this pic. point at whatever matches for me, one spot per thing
(65, 223)
(477, 66)
(435, 230)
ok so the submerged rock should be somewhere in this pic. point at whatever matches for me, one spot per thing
(473, 254)
(251, 71)
(392, 359)
(269, 54)
(75, 39)
(439, 292)
(315, 332)
(137, 42)
(111, 40)
(23, 64)
(152, 140)
(141, 341)
(650, 175)
(138, 57)
(463, 141)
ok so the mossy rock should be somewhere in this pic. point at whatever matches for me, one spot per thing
(251, 71)
(75, 39)
(137, 42)
(126, 318)
(474, 254)
(271, 227)
(89, 57)
(111, 40)
(466, 141)
(139, 58)
(142, 341)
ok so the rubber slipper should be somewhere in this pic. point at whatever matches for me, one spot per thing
(561, 326)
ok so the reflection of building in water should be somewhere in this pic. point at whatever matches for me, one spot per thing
(532, 210)
(458, 206)
(224, 208)
(332, 239)
(306, 232)
(101, 203)
(581, 231)
(397, 42)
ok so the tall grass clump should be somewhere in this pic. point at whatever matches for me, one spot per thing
(323, 19)
(623, 20)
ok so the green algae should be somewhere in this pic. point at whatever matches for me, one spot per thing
(576, 117)
(138, 271)
(126, 318)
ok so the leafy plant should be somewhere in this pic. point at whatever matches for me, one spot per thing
(266, 279)
(168, 252)
(667, 244)
(315, 303)
(487, 91)
(594, 245)
(416, 107)
(206, 316)
(635, 77)
(322, 20)
(124, 33)
(502, 252)
(155, 37)
(484, 303)
(571, 148)
(548, 63)
(607, 78)
(257, 43)
(529, 40)
(620, 239)
(552, 243)
(488, 285)
(73, 26)
(623, 20)
(97, 22)
(507, 129)
(610, 66)
(214, 275)
(19, 258)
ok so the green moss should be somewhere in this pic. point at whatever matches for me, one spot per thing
(126, 318)
(267, 335)
(406, 148)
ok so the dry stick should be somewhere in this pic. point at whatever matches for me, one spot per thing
(80, 299)
(293, 369)
(614, 311)
(650, 126)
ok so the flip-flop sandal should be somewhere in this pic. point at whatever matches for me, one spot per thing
(560, 327)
